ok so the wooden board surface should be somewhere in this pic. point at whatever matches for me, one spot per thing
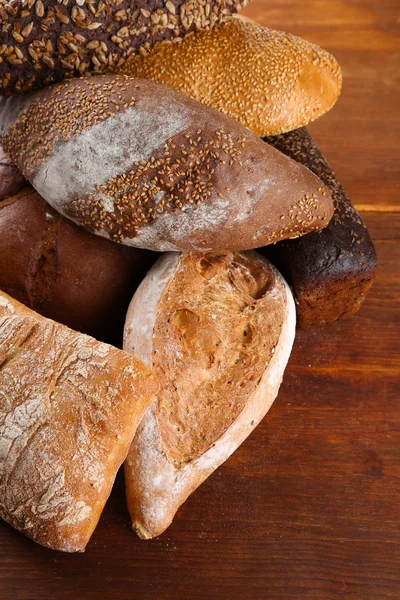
(308, 507)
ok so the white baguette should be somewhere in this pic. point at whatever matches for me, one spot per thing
(159, 477)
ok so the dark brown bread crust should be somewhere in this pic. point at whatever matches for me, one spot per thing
(11, 180)
(63, 272)
(330, 271)
(44, 41)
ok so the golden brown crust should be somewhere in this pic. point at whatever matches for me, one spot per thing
(137, 162)
(69, 407)
(169, 457)
(268, 80)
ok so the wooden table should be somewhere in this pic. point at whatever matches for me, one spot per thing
(309, 507)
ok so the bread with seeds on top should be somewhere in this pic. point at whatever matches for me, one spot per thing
(268, 80)
(69, 409)
(44, 41)
(218, 329)
(11, 180)
(141, 164)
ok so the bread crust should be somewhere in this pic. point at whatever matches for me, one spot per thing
(331, 271)
(141, 164)
(69, 407)
(156, 483)
(11, 180)
(268, 80)
(47, 41)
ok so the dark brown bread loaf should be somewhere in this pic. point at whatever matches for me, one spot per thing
(142, 164)
(64, 272)
(11, 180)
(330, 271)
(43, 41)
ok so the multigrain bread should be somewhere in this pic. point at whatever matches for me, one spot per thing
(69, 407)
(135, 161)
(11, 180)
(330, 271)
(268, 80)
(217, 329)
(63, 272)
(43, 41)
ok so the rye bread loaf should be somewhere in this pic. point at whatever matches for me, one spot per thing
(136, 162)
(11, 180)
(69, 408)
(62, 271)
(43, 41)
(330, 271)
(268, 80)
(217, 329)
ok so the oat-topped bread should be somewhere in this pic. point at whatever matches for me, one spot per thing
(217, 329)
(330, 271)
(141, 164)
(43, 41)
(270, 81)
(69, 407)
(64, 272)
(11, 180)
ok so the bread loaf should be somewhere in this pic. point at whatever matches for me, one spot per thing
(141, 164)
(11, 180)
(69, 407)
(331, 271)
(43, 41)
(268, 80)
(62, 271)
(217, 329)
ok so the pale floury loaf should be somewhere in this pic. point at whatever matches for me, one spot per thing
(141, 164)
(218, 330)
(69, 407)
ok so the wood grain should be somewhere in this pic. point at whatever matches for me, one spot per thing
(308, 507)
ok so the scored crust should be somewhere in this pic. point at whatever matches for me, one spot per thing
(69, 407)
(205, 315)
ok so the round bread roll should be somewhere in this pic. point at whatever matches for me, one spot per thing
(64, 272)
(11, 180)
(43, 41)
(136, 162)
(267, 80)
(217, 330)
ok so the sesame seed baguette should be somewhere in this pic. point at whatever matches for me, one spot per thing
(218, 331)
(41, 266)
(331, 271)
(141, 164)
(44, 41)
(268, 80)
(69, 408)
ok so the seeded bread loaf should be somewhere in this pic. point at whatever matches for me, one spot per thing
(218, 330)
(43, 41)
(62, 271)
(141, 164)
(11, 180)
(330, 271)
(69, 408)
(267, 80)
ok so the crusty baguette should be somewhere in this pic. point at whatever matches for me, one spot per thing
(330, 272)
(218, 331)
(268, 80)
(43, 41)
(144, 165)
(69, 407)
